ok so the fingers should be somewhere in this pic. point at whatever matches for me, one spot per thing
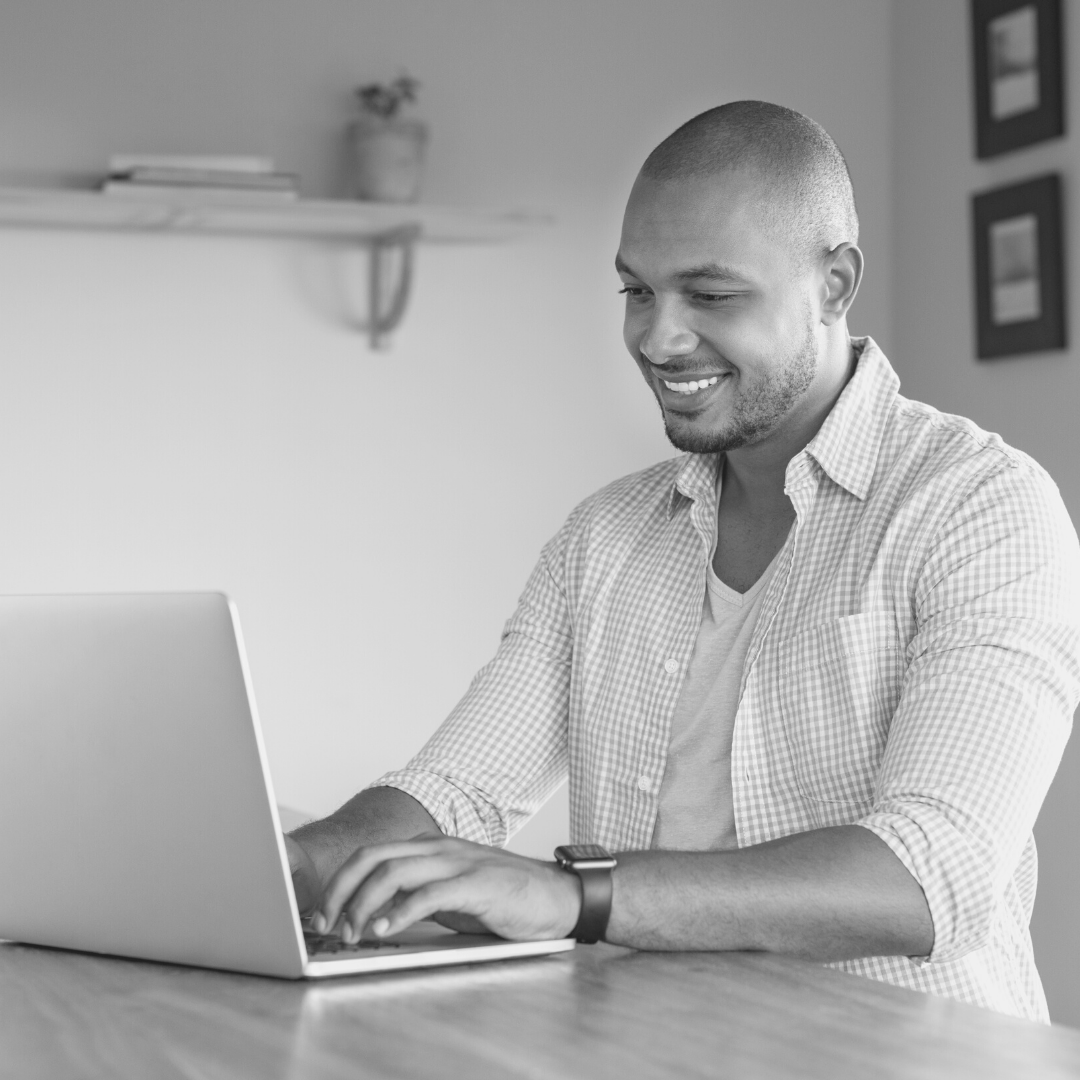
(390, 886)
(372, 876)
(448, 894)
(385, 884)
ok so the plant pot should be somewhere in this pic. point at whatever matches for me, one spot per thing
(387, 158)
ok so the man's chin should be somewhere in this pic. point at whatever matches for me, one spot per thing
(691, 439)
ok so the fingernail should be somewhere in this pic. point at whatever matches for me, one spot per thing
(318, 922)
(348, 934)
(380, 927)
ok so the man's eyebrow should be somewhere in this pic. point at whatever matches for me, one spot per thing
(709, 271)
(712, 272)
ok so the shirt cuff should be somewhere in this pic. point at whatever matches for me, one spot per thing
(900, 849)
(454, 811)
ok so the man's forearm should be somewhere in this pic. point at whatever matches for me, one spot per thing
(831, 894)
(374, 816)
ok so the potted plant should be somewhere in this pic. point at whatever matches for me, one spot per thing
(387, 149)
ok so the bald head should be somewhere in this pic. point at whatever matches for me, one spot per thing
(806, 192)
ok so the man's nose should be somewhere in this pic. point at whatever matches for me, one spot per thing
(668, 336)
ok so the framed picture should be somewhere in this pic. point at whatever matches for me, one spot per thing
(1018, 97)
(1019, 278)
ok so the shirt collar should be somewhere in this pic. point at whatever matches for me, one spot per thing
(847, 444)
(695, 479)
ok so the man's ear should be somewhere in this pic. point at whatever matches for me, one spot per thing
(843, 272)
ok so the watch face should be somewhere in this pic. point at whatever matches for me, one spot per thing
(582, 857)
(578, 852)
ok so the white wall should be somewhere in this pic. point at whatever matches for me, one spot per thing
(178, 412)
(1031, 401)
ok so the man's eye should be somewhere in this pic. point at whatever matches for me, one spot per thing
(713, 298)
(633, 291)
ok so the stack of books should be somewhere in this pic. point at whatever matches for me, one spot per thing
(229, 179)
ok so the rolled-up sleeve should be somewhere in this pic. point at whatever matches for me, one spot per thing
(992, 681)
(502, 751)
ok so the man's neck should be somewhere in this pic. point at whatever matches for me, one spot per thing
(752, 522)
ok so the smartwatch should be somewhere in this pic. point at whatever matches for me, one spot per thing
(593, 865)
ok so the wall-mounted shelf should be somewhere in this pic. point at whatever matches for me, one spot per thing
(311, 218)
(382, 227)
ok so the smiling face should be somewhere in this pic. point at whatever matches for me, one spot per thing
(721, 314)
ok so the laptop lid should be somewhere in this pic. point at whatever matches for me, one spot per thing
(138, 807)
(136, 800)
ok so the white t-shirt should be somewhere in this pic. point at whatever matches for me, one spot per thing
(696, 810)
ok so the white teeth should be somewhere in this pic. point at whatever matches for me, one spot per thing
(691, 387)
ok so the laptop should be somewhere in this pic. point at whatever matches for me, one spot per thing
(138, 814)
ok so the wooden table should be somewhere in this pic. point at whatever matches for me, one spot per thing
(597, 1012)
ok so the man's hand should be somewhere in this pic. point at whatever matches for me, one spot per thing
(374, 816)
(466, 885)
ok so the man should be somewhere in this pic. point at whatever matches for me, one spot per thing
(810, 681)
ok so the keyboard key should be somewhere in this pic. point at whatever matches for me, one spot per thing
(330, 943)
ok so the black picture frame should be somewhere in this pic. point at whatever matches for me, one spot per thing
(1019, 268)
(1017, 50)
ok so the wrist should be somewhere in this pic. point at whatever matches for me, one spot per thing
(320, 846)
(592, 866)
(571, 891)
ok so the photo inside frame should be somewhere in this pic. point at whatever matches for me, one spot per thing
(1013, 52)
(1015, 294)
(1020, 302)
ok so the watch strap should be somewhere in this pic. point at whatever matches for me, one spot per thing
(595, 874)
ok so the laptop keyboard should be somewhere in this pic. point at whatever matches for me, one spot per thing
(321, 944)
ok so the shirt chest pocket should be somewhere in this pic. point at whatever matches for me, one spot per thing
(839, 687)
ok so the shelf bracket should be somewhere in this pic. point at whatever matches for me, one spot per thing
(388, 292)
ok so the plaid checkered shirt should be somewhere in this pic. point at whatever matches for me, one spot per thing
(914, 671)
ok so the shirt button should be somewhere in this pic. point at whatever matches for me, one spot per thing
(644, 782)
(671, 666)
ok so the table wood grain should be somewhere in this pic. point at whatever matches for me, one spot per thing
(597, 1012)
